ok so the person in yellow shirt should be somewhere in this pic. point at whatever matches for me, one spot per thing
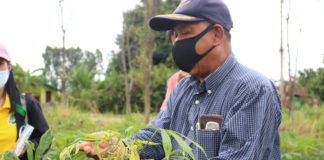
(12, 114)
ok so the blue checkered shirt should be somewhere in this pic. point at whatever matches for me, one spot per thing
(247, 100)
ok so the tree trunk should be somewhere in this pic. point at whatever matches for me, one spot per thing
(291, 82)
(150, 9)
(127, 93)
(63, 71)
(281, 89)
(130, 86)
(63, 77)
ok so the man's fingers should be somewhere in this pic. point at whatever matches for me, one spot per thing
(103, 144)
(83, 145)
(87, 150)
(96, 133)
(93, 151)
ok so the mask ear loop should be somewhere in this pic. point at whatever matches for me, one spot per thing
(203, 33)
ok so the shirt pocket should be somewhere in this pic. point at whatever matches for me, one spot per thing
(209, 140)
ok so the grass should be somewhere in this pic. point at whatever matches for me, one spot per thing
(68, 122)
(301, 133)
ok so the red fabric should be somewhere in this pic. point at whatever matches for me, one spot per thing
(171, 83)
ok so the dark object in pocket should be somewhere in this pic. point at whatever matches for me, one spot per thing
(204, 118)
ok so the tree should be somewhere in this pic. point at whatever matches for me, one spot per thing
(153, 64)
(25, 79)
(128, 82)
(52, 60)
(313, 81)
(150, 9)
(82, 86)
(63, 75)
(281, 89)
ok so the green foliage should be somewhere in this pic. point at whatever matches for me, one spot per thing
(30, 148)
(128, 149)
(9, 156)
(82, 86)
(74, 56)
(313, 81)
(298, 147)
(159, 76)
(25, 80)
(298, 135)
(302, 133)
(111, 96)
(44, 144)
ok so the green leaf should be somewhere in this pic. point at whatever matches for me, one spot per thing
(138, 142)
(30, 148)
(196, 144)
(179, 157)
(9, 156)
(175, 151)
(44, 144)
(166, 142)
(184, 145)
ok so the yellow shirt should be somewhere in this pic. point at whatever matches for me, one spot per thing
(8, 130)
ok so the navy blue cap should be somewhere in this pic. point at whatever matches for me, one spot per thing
(213, 11)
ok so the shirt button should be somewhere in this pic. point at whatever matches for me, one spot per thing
(209, 91)
(196, 102)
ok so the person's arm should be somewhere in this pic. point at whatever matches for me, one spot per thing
(250, 129)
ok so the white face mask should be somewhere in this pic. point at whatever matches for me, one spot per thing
(4, 75)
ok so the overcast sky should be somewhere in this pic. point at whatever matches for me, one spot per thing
(27, 27)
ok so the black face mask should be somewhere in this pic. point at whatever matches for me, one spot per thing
(184, 52)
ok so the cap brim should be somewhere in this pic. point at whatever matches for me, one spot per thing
(5, 57)
(166, 22)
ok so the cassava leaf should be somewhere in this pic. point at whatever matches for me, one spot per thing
(30, 148)
(166, 143)
(184, 145)
(44, 144)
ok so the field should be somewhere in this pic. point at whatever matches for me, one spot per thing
(302, 133)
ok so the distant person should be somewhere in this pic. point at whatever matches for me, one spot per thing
(171, 83)
(12, 112)
(219, 87)
(315, 103)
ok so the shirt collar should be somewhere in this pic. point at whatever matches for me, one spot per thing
(214, 79)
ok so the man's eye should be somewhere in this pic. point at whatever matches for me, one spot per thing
(184, 33)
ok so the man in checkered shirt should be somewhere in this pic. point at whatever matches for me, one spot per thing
(218, 85)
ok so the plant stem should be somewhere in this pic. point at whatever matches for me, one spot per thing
(148, 141)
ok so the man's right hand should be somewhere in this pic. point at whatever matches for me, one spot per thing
(89, 149)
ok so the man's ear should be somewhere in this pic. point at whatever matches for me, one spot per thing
(218, 32)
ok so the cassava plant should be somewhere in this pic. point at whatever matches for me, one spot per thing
(124, 149)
